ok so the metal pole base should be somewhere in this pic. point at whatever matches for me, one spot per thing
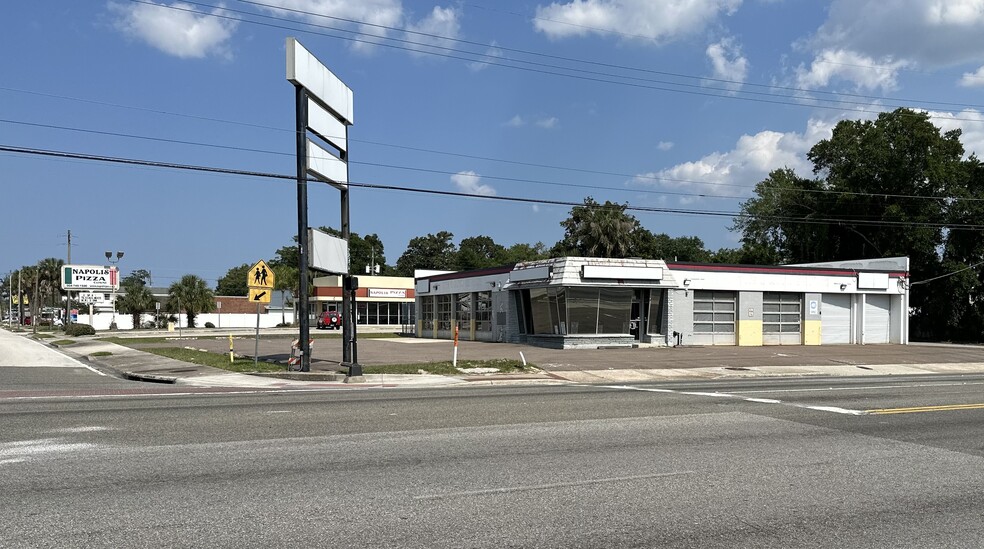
(354, 373)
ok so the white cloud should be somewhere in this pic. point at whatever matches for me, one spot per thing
(441, 22)
(973, 79)
(971, 124)
(736, 172)
(664, 145)
(727, 60)
(493, 51)
(864, 72)
(930, 33)
(515, 122)
(471, 183)
(177, 29)
(649, 20)
(548, 123)
(372, 16)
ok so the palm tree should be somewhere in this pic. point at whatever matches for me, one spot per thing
(191, 294)
(286, 279)
(136, 298)
(49, 278)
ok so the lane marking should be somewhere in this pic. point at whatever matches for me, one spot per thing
(832, 409)
(919, 409)
(867, 388)
(552, 486)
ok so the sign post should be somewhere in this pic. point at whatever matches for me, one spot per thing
(260, 281)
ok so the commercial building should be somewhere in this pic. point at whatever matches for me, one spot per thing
(578, 302)
(379, 301)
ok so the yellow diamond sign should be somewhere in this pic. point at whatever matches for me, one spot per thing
(260, 277)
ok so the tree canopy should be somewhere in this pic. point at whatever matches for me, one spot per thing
(191, 295)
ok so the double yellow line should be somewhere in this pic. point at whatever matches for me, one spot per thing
(918, 409)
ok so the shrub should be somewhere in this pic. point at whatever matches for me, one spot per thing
(79, 330)
(209, 325)
(284, 325)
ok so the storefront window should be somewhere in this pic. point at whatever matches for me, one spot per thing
(444, 312)
(582, 310)
(463, 311)
(540, 309)
(655, 319)
(427, 312)
(614, 310)
(483, 311)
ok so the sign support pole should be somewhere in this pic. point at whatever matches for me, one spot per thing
(302, 225)
(256, 345)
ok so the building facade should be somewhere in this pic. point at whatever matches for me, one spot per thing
(578, 302)
(379, 301)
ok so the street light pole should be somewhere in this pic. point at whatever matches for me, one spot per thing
(109, 257)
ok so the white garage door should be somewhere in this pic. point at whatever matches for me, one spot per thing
(877, 319)
(835, 319)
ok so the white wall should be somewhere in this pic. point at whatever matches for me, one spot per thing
(102, 320)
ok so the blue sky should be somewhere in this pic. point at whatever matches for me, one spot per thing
(671, 104)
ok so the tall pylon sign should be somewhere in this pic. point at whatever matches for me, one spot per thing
(324, 106)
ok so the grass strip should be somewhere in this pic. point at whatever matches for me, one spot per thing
(504, 365)
(61, 342)
(101, 353)
(215, 360)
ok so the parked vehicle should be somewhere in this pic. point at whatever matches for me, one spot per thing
(331, 320)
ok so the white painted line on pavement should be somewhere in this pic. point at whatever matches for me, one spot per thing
(552, 486)
(865, 388)
(833, 409)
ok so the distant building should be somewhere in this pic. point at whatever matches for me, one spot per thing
(379, 301)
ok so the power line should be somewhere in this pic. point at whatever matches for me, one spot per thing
(648, 209)
(495, 61)
(520, 180)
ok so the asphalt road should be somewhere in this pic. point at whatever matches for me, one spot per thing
(776, 463)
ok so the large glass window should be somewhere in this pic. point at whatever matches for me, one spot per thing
(443, 312)
(655, 319)
(483, 311)
(427, 312)
(463, 311)
(714, 312)
(581, 310)
(614, 310)
(781, 312)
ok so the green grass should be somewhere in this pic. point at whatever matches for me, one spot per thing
(101, 353)
(127, 341)
(505, 365)
(215, 360)
(61, 342)
(43, 336)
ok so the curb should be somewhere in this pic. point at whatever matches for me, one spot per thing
(132, 376)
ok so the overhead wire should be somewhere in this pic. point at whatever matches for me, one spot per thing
(649, 209)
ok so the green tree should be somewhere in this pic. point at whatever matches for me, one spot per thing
(192, 295)
(286, 280)
(479, 252)
(663, 246)
(434, 251)
(135, 298)
(598, 230)
(234, 281)
(520, 252)
(883, 187)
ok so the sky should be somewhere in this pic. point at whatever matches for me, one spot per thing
(676, 108)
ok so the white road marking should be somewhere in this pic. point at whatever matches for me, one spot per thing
(12, 460)
(40, 447)
(833, 409)
(865, 388)
(89, 429)
(551, 486)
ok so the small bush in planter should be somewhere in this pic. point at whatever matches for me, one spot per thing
(79, 330)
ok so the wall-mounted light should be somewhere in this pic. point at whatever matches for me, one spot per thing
(843, 287)
(686, 282)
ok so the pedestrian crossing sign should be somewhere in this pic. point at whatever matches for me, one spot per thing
(260, 277)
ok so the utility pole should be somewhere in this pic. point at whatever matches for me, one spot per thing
(68, 301)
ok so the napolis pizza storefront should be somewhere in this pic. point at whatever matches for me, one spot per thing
(379, 301)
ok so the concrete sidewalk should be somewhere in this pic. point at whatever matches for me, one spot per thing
(622, 365)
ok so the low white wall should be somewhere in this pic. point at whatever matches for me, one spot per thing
(102, 320)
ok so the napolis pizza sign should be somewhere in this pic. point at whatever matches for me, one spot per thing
(90, 277)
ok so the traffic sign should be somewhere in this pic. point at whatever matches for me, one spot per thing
(259, 295)
(260, 276)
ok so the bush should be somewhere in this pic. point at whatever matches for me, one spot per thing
(79, 330)
(209, 325)
(284, 325)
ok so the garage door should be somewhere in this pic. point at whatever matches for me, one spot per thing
(714, 318)
(877, 319)
(782, 315)
(835, 319)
